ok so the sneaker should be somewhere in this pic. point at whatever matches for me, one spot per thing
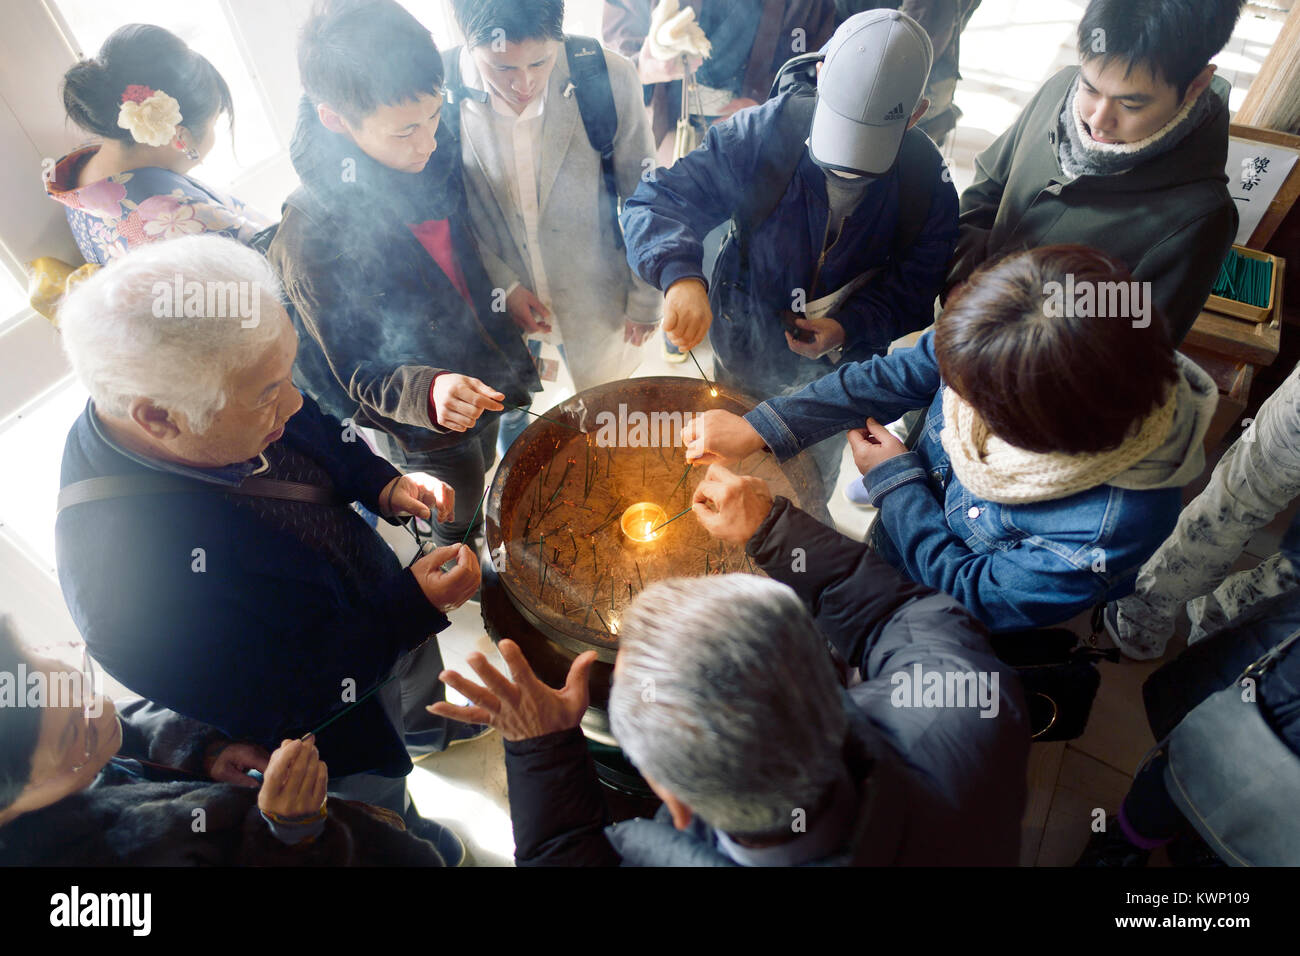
(1111, 848)
(444, 839)
(1107, 616)
(856, 492)
(671, 352)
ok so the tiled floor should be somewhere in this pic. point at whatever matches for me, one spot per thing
(1068, 782)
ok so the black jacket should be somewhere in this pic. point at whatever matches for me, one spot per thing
(936, 785)
(143, 814)
(377, 316)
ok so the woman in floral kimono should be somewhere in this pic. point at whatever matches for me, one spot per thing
(154, 103)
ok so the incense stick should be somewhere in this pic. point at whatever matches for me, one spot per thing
(669, 521)
(362, 698)
(476, 511)
(681, 480)
(553, 421)
(698, 366)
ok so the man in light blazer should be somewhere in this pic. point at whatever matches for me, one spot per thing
(540, 209)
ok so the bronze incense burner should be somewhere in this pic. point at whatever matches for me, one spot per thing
(576, 526)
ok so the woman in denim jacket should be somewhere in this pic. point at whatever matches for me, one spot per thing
(1061, 427)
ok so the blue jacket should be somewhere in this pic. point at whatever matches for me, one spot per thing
(666, 219)
(257, 640)
(1014, 566)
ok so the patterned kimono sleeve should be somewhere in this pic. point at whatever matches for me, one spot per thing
(169, 206)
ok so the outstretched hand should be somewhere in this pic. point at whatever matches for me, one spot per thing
(521, 706)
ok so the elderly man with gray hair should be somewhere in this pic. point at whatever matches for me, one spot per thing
(767, 746)
(206, 545)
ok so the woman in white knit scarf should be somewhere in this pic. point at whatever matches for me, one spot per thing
(1060, 431)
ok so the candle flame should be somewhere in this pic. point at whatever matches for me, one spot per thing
(641, 522)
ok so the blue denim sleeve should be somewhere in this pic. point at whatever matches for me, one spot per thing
(1024, 587)
(889, 474)
(882, 388)
(902, 299)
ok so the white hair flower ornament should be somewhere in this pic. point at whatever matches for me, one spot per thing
(151, 115)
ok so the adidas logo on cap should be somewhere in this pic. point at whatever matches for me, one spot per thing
(897, 113)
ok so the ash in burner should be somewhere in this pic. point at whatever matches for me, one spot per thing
(565, 537)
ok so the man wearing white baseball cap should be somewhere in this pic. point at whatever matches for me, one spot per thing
(843, 220)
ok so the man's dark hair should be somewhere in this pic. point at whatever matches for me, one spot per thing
(19, 726)
(1174, 39)
(1045, 381)
(142, 54)
(518, 20)
(359, 55)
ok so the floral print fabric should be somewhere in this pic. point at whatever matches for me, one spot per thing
(151, 204)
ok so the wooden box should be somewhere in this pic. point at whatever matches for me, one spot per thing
(1243, 310)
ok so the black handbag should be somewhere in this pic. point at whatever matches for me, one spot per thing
(1059, 675)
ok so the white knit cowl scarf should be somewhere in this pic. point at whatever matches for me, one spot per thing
(996, 471)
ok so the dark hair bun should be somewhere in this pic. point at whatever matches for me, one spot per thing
(145, 55)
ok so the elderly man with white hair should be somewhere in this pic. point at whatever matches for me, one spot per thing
(206, 544)
(729, 701)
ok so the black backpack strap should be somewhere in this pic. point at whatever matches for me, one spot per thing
(454, 83)
(457, 91)
(589, 74)
(778, 158)
(920, 164)
(129, 486)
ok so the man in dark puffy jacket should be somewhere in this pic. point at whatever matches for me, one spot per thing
(727, 700)
(833, 273)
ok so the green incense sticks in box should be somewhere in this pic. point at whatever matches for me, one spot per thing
(1244, 288)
